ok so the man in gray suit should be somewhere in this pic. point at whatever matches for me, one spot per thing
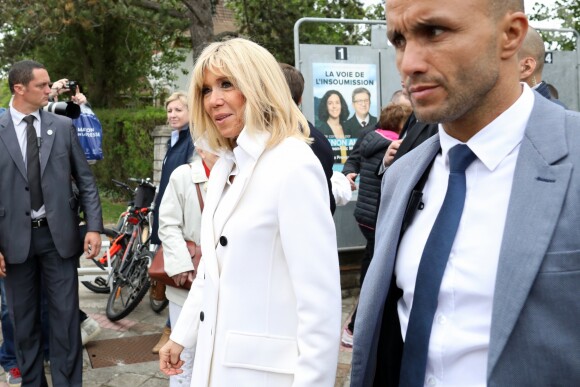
(39, 232)
(504, 309)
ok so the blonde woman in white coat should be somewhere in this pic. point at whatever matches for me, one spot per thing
(271, 306)
(179, 220)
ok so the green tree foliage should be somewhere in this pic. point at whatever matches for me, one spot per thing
(106, 45)
(4, 93)
(271, 22)
(127, 144)
(568, 11)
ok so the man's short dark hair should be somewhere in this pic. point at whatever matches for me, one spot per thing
(360, 90)
(295, 81)
(21, 72)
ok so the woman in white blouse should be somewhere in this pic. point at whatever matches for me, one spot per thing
(180, 220)
(270, 310)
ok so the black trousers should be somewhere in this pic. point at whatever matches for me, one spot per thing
(364, 265)
(59, 279)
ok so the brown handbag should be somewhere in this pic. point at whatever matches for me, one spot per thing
(157, 269)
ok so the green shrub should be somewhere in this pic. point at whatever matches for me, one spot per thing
(127, 146)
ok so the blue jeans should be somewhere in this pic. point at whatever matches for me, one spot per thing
(7, 354)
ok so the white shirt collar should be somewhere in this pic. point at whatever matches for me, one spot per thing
(494, 142)
(17, 116)
(174, 137)
(366, 119)
(249, 148)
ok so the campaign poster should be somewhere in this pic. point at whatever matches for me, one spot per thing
(345, 102)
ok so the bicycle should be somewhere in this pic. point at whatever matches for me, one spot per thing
(116, 236)
(129, 252)
(129, 241)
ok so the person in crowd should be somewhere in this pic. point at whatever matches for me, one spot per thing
(8, 359)
(179, 220)
(39, 230)
(531, 61)
(265, 307)
(320, 145)
(475, 276)
(61, 87)
(89, 326)
(361, 119)
(179, 151)
(352, 166)
(7, 355)
(372, 148)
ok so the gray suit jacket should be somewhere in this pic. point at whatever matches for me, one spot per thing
(61, 158)
(535, 334)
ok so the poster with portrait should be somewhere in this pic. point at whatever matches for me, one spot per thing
(345, 103)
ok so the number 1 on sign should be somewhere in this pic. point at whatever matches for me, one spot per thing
(341, 53)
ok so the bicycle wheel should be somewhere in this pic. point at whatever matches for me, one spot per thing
(101, 283)
(130, 287)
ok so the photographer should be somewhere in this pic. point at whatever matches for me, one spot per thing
(64, 86)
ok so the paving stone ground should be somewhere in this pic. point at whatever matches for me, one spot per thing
(143, 321)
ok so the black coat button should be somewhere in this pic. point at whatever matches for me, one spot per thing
(201, 315)
(27, 213)
(26, 188)
(223, 240)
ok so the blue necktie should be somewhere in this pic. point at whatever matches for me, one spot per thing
(431, 269)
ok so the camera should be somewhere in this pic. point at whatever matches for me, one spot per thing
(72, 86)
(69, 109)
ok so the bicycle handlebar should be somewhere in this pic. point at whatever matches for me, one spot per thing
(121, 184)
(146, 181)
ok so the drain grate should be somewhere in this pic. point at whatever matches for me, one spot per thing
(126, 350)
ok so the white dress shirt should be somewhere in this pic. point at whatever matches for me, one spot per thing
(21, 135)
(459, 342)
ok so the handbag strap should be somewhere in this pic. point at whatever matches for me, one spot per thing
(199, 197)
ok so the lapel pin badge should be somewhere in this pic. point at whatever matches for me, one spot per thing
(49, 132)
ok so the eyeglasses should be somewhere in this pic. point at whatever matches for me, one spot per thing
(362, 101)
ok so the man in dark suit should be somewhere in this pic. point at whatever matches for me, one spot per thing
(476, 283)
(39, 226)
(361, 119)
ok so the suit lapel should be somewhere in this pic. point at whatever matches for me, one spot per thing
(8, 137)
(538, 192)
(48, 133)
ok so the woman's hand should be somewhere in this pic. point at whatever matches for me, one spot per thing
(169, 361)
(391, 152)
(182, 278)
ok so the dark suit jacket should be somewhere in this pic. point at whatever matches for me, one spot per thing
(415, 133)
(354, 128)
(61, 157)
(323, 151)
(545, 92)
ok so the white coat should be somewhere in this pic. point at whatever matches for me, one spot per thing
(180, 220)
(271, 307)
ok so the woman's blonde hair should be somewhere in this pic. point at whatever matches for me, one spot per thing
(178, 95)
(256, 74)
